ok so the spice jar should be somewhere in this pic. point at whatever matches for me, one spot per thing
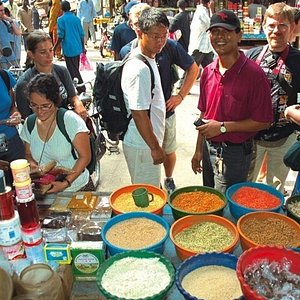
(29, 216)
(41, 281)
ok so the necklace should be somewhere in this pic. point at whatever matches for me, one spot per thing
(46, 140)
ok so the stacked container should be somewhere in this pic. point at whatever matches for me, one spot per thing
(29, 218)
(10, 232)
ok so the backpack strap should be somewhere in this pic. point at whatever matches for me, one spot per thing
(144, 59)
(30, 122)
(61, 126)
(5, 78)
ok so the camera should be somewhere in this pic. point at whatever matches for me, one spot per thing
(199, 122)
(3, 143)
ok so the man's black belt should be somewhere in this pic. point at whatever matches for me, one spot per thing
(228, 144)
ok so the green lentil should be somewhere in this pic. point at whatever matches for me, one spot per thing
(205, 237)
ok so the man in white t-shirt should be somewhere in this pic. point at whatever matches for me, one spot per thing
(142, 144)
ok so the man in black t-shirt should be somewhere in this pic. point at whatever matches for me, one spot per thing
(281, 63)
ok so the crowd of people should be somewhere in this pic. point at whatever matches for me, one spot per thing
(248, 101)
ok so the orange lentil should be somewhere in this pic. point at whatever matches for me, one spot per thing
(198, 202)
(255, 198)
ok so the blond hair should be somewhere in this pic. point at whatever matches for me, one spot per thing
(137, 9)
(279, 9)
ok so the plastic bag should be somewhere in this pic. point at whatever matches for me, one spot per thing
(85, 64)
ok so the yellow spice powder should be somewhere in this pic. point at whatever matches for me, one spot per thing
(125, 203)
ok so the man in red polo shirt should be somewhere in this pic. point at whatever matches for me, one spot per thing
(234, 102)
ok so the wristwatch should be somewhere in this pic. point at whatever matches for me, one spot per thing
(223, 128)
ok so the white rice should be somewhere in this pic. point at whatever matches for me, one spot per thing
(134, 278)
(213, 283)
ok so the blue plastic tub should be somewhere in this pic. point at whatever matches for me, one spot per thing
(158, 247)
(202, 260)
(238, 211)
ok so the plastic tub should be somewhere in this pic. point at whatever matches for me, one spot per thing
(246, 242)
(158, 247)
(178, 213)
(185, 222)
(137, 254)
(202, 260)
(238, 210)
(20, 170)
(130, 188)
(290, 213)
(270, 252)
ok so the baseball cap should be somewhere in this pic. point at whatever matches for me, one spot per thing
(129, 5)
(226, 19)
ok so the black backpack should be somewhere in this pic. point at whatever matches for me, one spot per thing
(95, 149)
(109, 96)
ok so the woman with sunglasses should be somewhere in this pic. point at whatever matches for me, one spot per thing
(40, 51)
(47, 143)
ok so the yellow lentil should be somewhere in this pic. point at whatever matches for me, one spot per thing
(125, 203)
(135, 233)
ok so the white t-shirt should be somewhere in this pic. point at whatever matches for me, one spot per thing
(58, 148)
(136, 85)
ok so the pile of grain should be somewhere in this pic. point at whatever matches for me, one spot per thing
(212, 283)
(135, 233)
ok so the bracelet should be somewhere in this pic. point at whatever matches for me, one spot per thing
(68, 181)
(180, 96)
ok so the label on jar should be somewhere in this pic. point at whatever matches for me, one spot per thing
(10, 231)
(31, 236)
(15, 251)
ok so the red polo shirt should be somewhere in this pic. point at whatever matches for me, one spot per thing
(243, 92)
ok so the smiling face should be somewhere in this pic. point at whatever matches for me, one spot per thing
(225, 42)
(278, 31)
(42, 106)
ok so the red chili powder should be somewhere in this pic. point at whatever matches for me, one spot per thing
(255, 198)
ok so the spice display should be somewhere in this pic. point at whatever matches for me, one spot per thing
(135, 233)
(273, 280)
(198, 202)
(255, 198)
(270, 231)
(205, 237)
(125, 203)
(225, 283)
(136, 278)
(294, 207)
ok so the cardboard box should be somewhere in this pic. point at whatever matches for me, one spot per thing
(87, 258)
(58, 252)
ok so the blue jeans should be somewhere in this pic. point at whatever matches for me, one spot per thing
(236, 163)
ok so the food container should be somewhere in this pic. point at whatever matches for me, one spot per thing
(87, 258)
(203, 260)
(153, 208)
(23, 189)
(238, 210)
(10, 232)
(31, 236)
(58, 252)
(265, 220)
(179, 213)
(292, 205)
(188, 221)
(20, 170)
(273, 254)
(148, 280)
(7, 207)
(157, 247)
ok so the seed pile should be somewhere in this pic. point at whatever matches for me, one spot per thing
(205, 237)
(255, 198)
(125, 203)
(294, 207)
(270, 231)
(135, 233)
(198, 202)
(213, 283)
